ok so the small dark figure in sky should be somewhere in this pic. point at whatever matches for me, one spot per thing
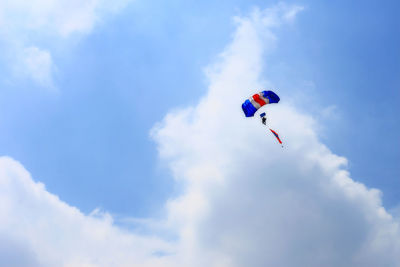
(263, 118)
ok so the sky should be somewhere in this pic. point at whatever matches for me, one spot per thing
(123, 142)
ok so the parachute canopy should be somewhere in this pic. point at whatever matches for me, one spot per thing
(251, 105)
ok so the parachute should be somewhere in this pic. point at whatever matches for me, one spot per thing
(251, 105)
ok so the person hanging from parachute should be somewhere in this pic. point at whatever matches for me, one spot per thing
(251, 105)
(263, 118)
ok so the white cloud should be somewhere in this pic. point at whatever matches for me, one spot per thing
(36, 64)
(55, 17)
(246, 202)
(24, 23)
(37, 229)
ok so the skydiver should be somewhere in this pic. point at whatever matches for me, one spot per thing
(263, 118)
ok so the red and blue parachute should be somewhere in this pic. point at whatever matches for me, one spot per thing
(251, 105)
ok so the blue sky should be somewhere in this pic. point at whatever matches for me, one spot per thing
(106, 105)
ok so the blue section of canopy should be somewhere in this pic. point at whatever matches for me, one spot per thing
(248, 108)
(273, 98)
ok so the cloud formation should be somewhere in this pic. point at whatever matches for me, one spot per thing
(246, 201)
(37, 229)
(37, 64)
(23, 23)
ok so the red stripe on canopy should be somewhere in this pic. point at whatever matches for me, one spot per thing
(258, 99)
